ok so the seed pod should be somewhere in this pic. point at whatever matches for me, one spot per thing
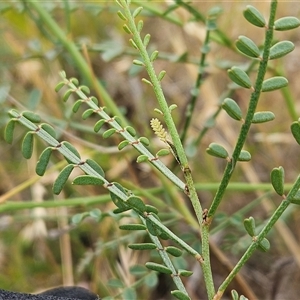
(281, 49)
(247, 47)
(253, 16)
(286, 23)
(240, 77)
(232, 109)
(277, 180)
(249, 225)
(274, 83)
(62, 179)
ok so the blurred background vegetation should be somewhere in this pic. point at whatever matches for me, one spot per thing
(40, 245)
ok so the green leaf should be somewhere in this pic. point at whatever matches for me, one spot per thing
(274, 83)
(240, 77)
(72, 149)
(281, 49)
(76, 105)
(264, 245)
(295, 128)
(87, 113)
(99, 125)
(249, 225)
(163, 152)
(138, 63)
(232, 109)
(121, 16)
(144, 141)
(116, 283)
(136, 203)
(146, 39)
(138, 270)
(142, 158)
(62, 179)
(67, 94)
(184, 273)
(296, 199)
(247, 47)
(95, 167)
(173, 251)
(137, 11)
(253, 16)
(59, 86)
(123, 144)
(27, 145)
(151, 209)
(74, 80)
(158, 268)
(34, 118)
(180, 295)
(43, 161)
(154, 55)
(217, 150)
(234, 295)
(142, 246)
(286, 23)
(130, 130)
(106, 134)
(244, 156)
(117, 200)
(262, 117)
(9, 131)
(161, 75)
(87, 180)
(140, 25)
(84, 89)
(49, 129)
(133, 227)
(277, 180)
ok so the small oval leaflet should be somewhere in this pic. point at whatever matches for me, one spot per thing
(244, 156)
(132, 227)
(99, 125)
(180, 295)
(59, 86)
(49, 129)
(184, 273)
(153, 229)
(142, 158)
(122, 145)
(106, 134)
(161, 75)
(144, 141)
(142, 246)
(73, 80)
(136, 203)
(217, 150)
(84, 89)
(126, 29)
(232, 109)
(34, 118)
(140, 25)
(72, 149)
(121, 15)
(137, 11)
(240, 77)
(146, 39)
(274, 83)
(76, 105)
(87, 113)
(262, 117)
(151, 209)
(117, 200)
(295, 128)
(264, 245)
(67, 94)
(247, 47)
(173, 251)
(253, 16)
(43, 161)
(163, 152)
(27, 145)
(9, 131)
(130, 130)
(281, 49)
(95, 167)
(286, 23)
(158, 268)
(138, 63)
(277, 180)
(154, 55)
(249, 225)
(62, 179)
(87, 180)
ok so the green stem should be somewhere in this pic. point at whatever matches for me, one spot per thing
(251, 110)
(255, 242)
(78, 59)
